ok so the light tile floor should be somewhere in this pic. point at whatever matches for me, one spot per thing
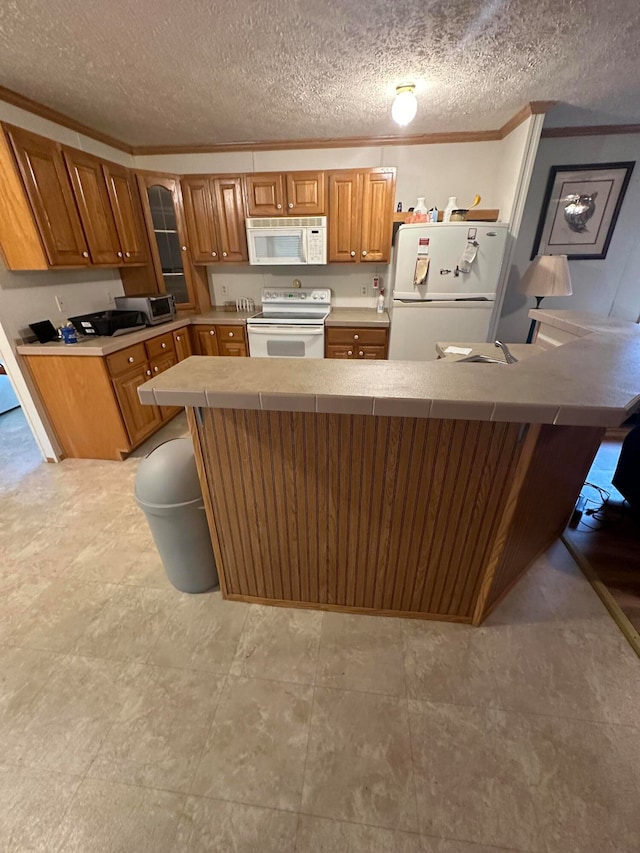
(137, 718)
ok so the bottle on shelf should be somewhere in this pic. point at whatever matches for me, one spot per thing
(452, 205)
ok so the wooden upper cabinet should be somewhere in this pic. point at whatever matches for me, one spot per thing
(295, 193)
(46, 182)
(305, 193)
(162, 203)
(198, 210)
(361, 215)
(378, 192)
(92, 198)
(265, 194)
(127, 212)
(344, 217)
(229, 212)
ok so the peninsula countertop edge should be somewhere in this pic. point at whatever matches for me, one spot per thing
(592, 381)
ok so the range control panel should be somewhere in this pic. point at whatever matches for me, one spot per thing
(298, 296)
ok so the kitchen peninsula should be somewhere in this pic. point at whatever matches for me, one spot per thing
(398, 488)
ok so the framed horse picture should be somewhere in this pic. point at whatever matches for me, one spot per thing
(580, 210)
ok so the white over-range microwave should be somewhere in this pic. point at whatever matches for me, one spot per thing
(299, 240)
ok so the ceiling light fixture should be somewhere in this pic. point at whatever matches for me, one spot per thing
(405, 104)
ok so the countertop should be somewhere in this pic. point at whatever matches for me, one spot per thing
(580, 323)
(592, 381)
(364, 317)
(519, 351)
(100, 346)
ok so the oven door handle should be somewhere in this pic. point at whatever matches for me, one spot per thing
(286, 330)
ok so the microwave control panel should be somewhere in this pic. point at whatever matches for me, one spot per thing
(315, 246)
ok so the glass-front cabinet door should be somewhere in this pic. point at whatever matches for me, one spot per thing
(163, 204)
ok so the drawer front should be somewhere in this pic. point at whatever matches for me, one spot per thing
(374, 352)
(338, 351)
(372, 337)
(230, 333)
(232, 349)
(160, 346)
(126, 359)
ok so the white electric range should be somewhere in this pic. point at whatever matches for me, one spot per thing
(291, 323)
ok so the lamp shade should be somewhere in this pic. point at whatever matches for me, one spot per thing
(547, 275)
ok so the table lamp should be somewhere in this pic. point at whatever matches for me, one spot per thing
(547, 275)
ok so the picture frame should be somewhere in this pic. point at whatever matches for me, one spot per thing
(580, 209)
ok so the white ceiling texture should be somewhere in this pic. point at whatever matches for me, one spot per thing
(198, 72)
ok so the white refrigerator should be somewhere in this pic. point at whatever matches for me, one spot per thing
(445, 279)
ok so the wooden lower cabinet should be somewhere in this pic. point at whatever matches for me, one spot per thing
(140, 421)
(358, 343)
(92, 401)
(182, 343)
(220, 340)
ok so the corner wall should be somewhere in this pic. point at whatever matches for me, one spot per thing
(607, 287)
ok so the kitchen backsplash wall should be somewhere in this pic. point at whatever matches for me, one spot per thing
(345, 282)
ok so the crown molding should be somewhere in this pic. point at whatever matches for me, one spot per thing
(590, 130)
(18, 100)
(532, 108)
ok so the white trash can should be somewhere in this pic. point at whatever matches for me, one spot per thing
(168, 491)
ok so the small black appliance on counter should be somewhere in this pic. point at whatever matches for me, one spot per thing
(108, 323)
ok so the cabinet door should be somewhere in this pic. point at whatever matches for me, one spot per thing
(182, 343)
(92, 198)
(305, 193)
(377, 216)
(265, 194)
(375, 352)
(127, 212)
(198, 211)
(338, 351)
(139, 420)
(233, 349)
(162, 202)
(344, 219)
(206, 340)
(47, 184)
(158, 366)
(229, 210)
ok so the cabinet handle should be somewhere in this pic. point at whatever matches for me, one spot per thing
(224, 254)
(364, 254)
(230, 334)
(178, 338)
(214, 254)
(148, 373)
(212, 332)
(184, 248)
(119, 254)
(353, 254)
(290, 204)
(356, 337)
(349, 352)
(85, 254)
(127, 254)
(131, 359)
(163, 345)
(278, 206)
(155, 369)
(361, 352)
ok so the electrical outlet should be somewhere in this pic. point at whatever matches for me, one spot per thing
(225, 289)
(109, 296)
(364, 290)
(60, 303)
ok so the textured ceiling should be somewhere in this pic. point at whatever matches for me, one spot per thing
(198, 72)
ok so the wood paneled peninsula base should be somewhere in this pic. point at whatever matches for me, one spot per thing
(387, 515)
(397, 488)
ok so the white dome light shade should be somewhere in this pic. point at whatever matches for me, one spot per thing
(405, 105)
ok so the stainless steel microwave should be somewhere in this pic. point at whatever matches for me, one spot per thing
(157, 308)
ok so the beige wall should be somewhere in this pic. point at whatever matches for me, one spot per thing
(606, 287)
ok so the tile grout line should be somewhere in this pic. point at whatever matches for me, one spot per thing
(311, 710)
(411, 749)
